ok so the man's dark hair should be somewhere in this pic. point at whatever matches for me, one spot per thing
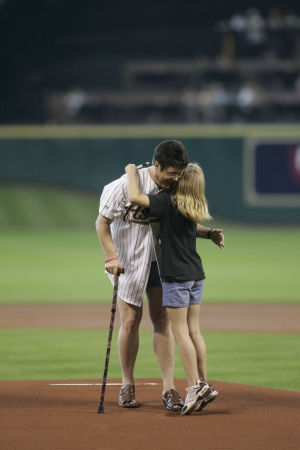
(170, 154)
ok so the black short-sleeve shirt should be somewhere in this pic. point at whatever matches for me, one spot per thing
(179, 258)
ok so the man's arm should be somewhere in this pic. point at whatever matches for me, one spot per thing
(104, 235)
(134, 193)
(216, 235)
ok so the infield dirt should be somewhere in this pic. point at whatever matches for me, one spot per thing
(44, 416)
(215, 317)
(61, 415)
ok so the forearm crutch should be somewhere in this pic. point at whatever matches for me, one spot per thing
(110, 333)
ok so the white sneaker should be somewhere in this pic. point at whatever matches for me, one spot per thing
(190, 400)
(195, 394)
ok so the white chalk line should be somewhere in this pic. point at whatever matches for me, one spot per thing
(99, 384)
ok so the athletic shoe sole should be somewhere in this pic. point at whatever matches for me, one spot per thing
(199, 405)
(203, 393)
(187, 409)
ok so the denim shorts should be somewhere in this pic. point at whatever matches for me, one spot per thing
(181, 295)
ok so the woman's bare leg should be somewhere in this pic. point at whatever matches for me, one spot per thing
(193, 319)
(187, 351)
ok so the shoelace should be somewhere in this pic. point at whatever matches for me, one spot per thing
(190, 392)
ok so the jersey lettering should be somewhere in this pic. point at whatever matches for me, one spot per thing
(138, 214)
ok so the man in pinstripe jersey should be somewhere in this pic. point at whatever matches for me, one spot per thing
(126, 234)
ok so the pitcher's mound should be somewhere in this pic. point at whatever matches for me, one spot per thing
(61, 415)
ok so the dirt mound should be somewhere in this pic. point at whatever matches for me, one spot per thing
(48, 415)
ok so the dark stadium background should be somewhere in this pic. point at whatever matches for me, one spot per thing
(58, 44)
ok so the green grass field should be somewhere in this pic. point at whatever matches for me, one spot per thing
(35, 208)
(48, 256)
(270, 360)
(67, 266)
(49, 252)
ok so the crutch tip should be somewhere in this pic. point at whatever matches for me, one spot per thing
(100, 409)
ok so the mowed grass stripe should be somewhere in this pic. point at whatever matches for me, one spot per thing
(35, 208)
(67, 266)
(267, 360)
(49, 253)
(261, 264)
(52, 267)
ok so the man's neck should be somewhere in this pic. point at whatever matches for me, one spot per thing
(151, 172)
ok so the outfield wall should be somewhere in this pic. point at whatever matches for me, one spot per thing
(252, 172)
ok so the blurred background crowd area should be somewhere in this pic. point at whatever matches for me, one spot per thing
(158, 62)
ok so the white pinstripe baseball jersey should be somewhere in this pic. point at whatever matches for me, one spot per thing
(131, 234)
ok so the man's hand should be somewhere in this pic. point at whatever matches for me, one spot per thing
(218, 238)
(114, 267)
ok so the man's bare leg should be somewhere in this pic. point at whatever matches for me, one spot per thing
(163, 340)
(128, 338)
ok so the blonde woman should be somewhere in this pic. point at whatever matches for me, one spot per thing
(181, 271)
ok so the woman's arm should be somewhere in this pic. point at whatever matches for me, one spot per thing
(134, 194)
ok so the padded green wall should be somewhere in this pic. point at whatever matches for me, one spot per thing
(87, 161)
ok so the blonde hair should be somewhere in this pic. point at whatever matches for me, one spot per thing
(189, 194)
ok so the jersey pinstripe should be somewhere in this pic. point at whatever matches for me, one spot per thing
(131, 234)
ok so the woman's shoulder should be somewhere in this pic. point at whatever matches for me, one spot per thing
(164, 196)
